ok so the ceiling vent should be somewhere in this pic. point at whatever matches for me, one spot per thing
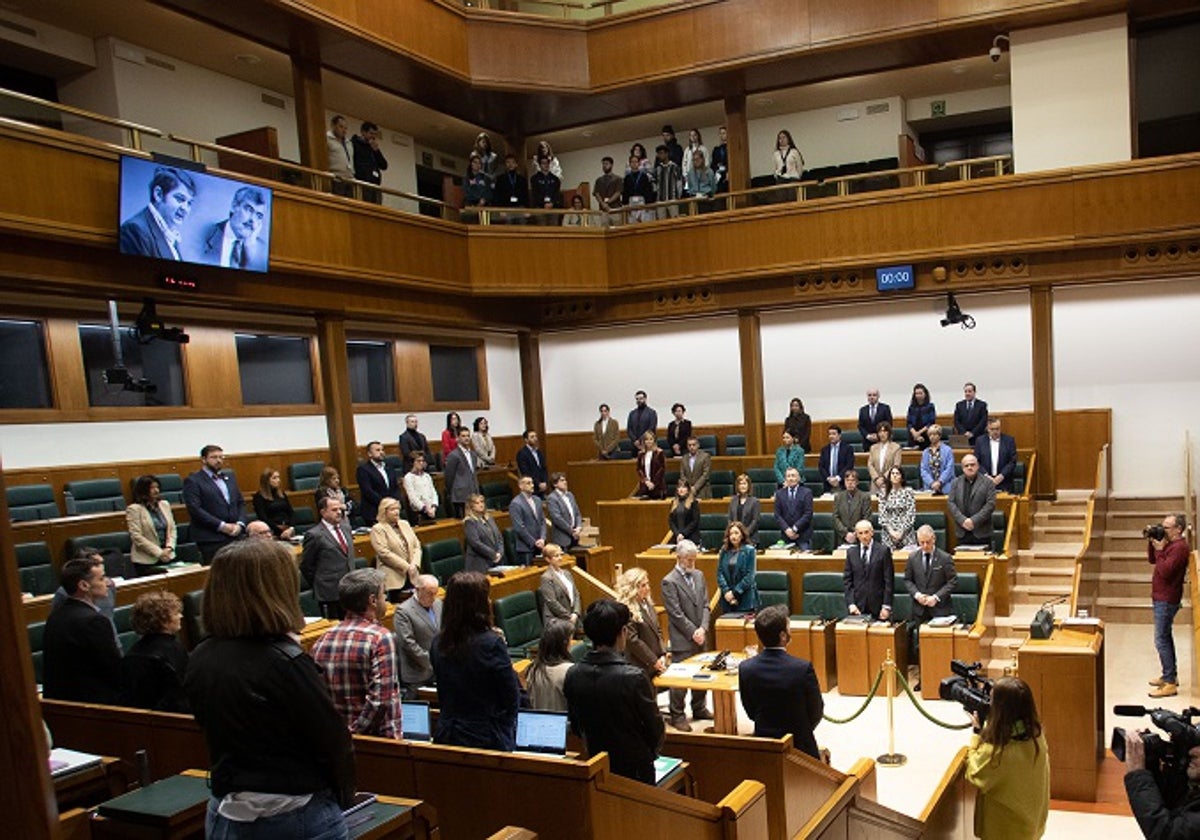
(274, 101)
(878, 108)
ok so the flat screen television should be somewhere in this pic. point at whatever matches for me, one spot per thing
(172, 212)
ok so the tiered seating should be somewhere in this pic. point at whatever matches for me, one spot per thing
(824, 596)
(735, 444)
(442, 559)
(519, 616)
(32, 501)
(768, 530)
(965, 600)
(712, 530)
(708, 443)
(109, 544)
(94, 495)
(304, 475)
(721, 482)
(170, 487)
(762, 482)
(497, 495)
(774, 588)
(35, 568)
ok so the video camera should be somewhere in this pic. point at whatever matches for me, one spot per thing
(968, 688)
(1167, 760)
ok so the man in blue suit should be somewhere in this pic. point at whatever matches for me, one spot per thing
(837, 456)
(997, 454)
(970, 415)
(794, 510)
(528, 522)
(779, 691)
(214, 504)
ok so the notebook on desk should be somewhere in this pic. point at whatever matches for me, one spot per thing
(541, 733)
(415, 720)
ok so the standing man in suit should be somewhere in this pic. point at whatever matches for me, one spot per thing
(685, 598)
(460, 478)
(929, 577)
(417, 621)
(970, 415)
(869, 577)
(214, 503)
(566, 520)
(413, 442)
(369, 161)
(850, 505)
(528, 522)
(695, 467)
(606, 434)
(836, 457)
(531, 461)
(997, 454)
(641, 419)
(376, 481)
(81, 657)
(327, 554)
(971, 501)
(780, 692)
(235, 242)
(870, 416)
(794, 510)
(155, 230)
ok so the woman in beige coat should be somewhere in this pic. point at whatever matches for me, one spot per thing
(397, 549)
(151, 526)
(884, 455)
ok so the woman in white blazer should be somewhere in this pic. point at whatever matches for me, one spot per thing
(151, 526)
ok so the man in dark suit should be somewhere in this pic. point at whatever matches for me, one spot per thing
(695, 467)
(929, 577)
(610, 703)
(327, 554)
(235, 242)
(850, 506)
(412, 441)
(780, 692)
(214, 503)
(81, 658)
(870, 416)
(971, 500)
(532, 462)
(417, 621)
(369, 161)
(869, 577)
(685, 599)
(376, 481)
(641, 419)
(836, 457)
(155, 230)
(997, 454)
(528, 522)
(970, 415)
(461, 478)
(794, 510)
(566, 520)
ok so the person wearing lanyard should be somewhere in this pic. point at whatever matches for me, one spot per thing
(639, 189)
(511, 190)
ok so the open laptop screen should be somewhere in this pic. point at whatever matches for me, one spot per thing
(541, 732)
(415, 720)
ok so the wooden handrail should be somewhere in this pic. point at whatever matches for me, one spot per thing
(833, 807)
(1009, 527)
(136, 130)
(1100, 486)
(1027, 491)
(985, 592)
(945, 785)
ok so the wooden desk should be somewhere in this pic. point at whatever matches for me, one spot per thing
(882, 639)
(723, 685)
(815, 641)
(937, 649)
(852, 667)
(90, 785)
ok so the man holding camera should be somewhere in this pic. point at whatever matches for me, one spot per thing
(1155, 817)
(1168, 552)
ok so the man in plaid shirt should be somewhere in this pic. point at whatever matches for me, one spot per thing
(358, 657)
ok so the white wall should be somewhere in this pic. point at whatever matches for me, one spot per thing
(1071, 94)
(1133, 348)
(959, 102)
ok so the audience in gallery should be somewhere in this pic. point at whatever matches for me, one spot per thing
(82, 660)
(897, 511)
(489, 160)
(151, 525)
(477, 190)
(482, 443)
(416, 621)
(997, 454)
(720, 161)
(642, 419)
(922, 414)
(531, 461)
(461, 476)
(971, 500)
(282, 763)
(610, 703)
(651, 469)
(545, 151)
(736, 571)
(412, 441)
(850, 505)
(937, 463)
(794, 511)
(544, 679)
(871, 415)
(369, 161)
(478, 692)
(884, 455)
(789, 456)
(329, 485)
(868, 579)
(606, 434)
(607, 192)
(668, 182)
(684, 516)
(970, 415)
(638, 190)
(327, 553)
(678, 431)
(483, 542)
(422, 496)
(545, 192)
(836, 457)
(559, 594)
(152, 671)
(527, 521)
(695, 467)
(566, 520)
(685, 601)
(341, 156)
(511, 189)
(798, 424)
(701, 181)
(644, 644)
(358, 656)
(637, 150)
(216, 510)
(397, 549)
(577, 218)
(695, 146)
(788, 162)
(376, 481)
(744, 507)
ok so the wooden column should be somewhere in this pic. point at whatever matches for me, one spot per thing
(335, 388)
(754, 410)
(1041, 313)
(26, 796)
(738, 130)
(310, 96)
(531, 382)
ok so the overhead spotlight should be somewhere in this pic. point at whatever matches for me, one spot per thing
(955, 315)
(995, 52)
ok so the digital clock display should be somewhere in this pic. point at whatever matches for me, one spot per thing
(894, 277)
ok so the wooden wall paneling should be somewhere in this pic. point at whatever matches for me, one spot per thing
(894, 226)
(1041, 312)
(1157, 194)
(64, 355)
(210, 369)
(529, 350)
(842, 20)
(753, 401)
(973, 215)
(1082, 433)
(305, 55)
(736, 31)
(334, 380)
(413, 374)
(620, 51)
(441, 31)
(784, 240)
(543, 53)
(565, 262)
(43, 166)
(738, 131)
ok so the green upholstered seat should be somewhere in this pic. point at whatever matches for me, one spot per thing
(94, 495)
(497, 495)
(671, 481)
(735, 444)
(762, 482)
(29, 502)
(822, 538)
(170, 487)
(708, 443)
(309, 605)
(768, 530)
(999, 523)
(935, 520)
(303, 518)
(773, 588)
(193, 624)
(442, 559)
(712, 530)
(304, 475)
(35, 568)
(123, 619)
(901, 600)
(721, 482)
(37, 642)
(823, 595)
(518, 616)
(1018, 478)
(966, 597)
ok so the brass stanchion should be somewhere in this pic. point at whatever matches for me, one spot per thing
(891, 758)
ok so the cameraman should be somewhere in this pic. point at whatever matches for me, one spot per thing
(1169, 556)
(1154, 818)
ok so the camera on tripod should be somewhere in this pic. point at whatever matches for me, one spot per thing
(968, 688)
(1166, 759)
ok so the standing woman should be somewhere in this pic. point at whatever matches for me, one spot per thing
(1010, 764)
(885, 454)
(282, 764)
(330, 485)
(897, 511)
(789, 163)
(651, 469)
(450, 434)
(799, 424)
(678, 432)
(544, 151)
(787, 456)
(151, 527)
(921, 415)
(487, 156)
(937, 463)
(397, 549)
(695, 144)
(485, 545)
(643, 643)
(735, 571)
(485, 447)
(744, 507)
(271, 505)
(477, 686)
(684, 518)
(544, 679)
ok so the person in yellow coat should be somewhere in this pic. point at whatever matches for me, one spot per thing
(1010, 765)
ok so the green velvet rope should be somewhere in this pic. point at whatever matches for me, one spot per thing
(907, 690)
(863, 707)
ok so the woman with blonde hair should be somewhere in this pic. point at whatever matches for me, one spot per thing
(643, 646)
(651, 469)
(484, 543)
(397, 549)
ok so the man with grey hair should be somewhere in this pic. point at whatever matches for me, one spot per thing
(929, 577)
(236, 242)
(685, 597)
(417, 621)
(358, 657)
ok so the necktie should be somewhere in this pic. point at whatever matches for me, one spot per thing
(341, 538)
(872, 413)
(927, 564)
(970, 404)
(238, 258)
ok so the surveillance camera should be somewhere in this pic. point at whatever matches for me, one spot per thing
(994, 54)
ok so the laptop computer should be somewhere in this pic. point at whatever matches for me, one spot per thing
(414, 720)
(541, 733)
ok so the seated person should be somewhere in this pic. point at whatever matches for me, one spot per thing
(416, 621)
(836, 457)
(82, 660)
(779, 691)
(850, 505)
(544, 679)
(937, 463)
(610, 703)
(971, 501)
(153, 670)
(794, 511)
(997, 454)
(684, 517)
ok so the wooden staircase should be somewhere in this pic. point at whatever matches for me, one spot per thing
(1125, 573)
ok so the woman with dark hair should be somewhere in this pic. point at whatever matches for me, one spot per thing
(151, 527)
(735, 571)
(488, 158)
(744, 507)
(271, 505)
(684, 517)
(477, 686)
(450, 434)
(644, 163)
(544, 680)
(789, 163)
(787, 456)
(477, 189)
(798, 424)
(885, 454)
(576, 218)
(897, 511)
(921, 415)
(1009, 763)
(281, 761)
(153, 670)
(481, 440)
(330, 485)
(678, 431)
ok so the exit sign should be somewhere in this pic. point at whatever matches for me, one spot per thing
(937, 108)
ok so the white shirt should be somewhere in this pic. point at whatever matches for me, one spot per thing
(421, 493)
(995, 447)
(647, 457)
(171, 235)
(565, 580)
